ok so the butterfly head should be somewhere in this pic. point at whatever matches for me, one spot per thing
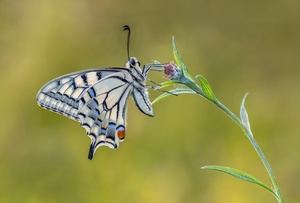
(133, 63)
(135, 68)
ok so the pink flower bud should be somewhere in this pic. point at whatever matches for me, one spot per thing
(172, 71)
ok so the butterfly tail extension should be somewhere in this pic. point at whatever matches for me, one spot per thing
(109, 137)
(91, 152)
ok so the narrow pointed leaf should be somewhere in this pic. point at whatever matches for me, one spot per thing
(176, 54)
(244, 114)
(179, 61)
(206, 88)
(240, 175)
(172, 93)
(183, 91)
(165, 84)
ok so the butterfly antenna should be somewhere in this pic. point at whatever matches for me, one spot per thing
(126, 27)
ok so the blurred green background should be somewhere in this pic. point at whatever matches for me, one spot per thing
(239, 46)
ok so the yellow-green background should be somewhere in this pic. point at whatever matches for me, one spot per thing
(239, 46)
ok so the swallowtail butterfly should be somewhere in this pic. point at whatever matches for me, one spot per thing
(97, 99)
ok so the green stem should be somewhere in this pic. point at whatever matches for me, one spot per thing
(249, 135)
(261, 155)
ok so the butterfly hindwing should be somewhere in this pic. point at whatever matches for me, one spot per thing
(102, 110)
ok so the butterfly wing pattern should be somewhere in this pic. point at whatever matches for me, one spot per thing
(97, 99)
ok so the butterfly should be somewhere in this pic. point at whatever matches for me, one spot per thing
(97, 99)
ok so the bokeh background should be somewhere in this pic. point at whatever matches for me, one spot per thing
(239, 46)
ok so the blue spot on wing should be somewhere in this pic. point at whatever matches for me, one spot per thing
(120, 128)
(112, 124)
(97, 112)
(92, 92)
(96, 102)
(103, 131)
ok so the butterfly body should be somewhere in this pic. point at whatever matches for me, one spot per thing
(97, 98)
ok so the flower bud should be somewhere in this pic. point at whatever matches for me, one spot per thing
(172, 71)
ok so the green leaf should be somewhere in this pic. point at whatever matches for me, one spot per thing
(244, 114)
(176, 55)
(183, 91)
(166, 84)
(206, 88)
(172, 93)
(240, 175)
(179, 61)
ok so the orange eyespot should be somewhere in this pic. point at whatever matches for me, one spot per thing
(121, 132)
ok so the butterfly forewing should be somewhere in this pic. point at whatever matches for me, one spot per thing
(61, 94)
(97, 99)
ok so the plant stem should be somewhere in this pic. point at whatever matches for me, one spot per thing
(257, 149)
(276, 190)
